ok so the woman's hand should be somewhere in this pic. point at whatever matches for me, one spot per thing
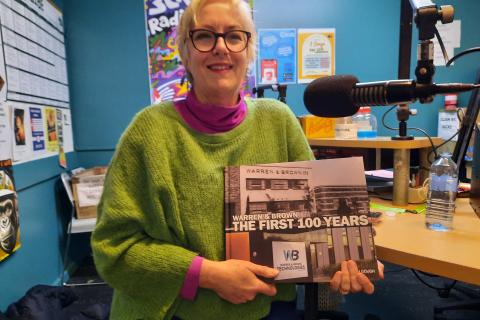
(236, 280)
(349, 279)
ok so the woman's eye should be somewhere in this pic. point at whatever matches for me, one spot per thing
(203, 36)
(235, 37)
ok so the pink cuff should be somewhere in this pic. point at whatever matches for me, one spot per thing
(190, 284)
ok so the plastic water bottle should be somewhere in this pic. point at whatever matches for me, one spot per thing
(366, 123)
(442, 194)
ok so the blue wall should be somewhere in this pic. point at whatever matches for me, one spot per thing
(108, 58)
(108, 74)
(367, 41)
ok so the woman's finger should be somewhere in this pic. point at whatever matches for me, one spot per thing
(381, 269)
(262, 271)
(353, 270)
(367, 285)
(345, 282)
(335, 281)
(267, 289)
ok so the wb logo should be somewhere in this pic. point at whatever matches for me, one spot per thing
(291, 255)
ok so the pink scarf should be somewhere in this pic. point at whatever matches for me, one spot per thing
(209, 118)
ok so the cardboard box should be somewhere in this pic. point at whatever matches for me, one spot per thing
(318, 127)
(87, 189)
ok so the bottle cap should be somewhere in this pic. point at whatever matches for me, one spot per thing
(364, 109)
(451, 99)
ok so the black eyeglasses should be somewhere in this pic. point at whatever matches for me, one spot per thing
(205, 40)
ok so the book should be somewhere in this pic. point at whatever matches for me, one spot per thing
(303, 218)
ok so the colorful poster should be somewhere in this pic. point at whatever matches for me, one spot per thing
(19, 126)
(250, 80)
(51, 129)
(38, 134)
(9, 219)
(21, 132)
(165, 68)
(316, 54)
(166, 72)
(5, 133)
(62, 159)
(277, 56)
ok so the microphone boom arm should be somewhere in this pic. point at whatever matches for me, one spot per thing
(427, 14)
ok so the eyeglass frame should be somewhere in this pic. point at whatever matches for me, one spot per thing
(219, 35)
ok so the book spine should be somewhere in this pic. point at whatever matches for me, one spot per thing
(227, 212)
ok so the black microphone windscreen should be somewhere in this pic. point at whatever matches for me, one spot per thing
(331, 96)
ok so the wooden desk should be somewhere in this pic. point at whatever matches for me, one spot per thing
(401, 155)
(404, 240)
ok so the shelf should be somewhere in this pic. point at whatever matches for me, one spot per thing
(83, 225)
(375, 143)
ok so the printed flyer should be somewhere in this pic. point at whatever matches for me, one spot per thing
(316, 54)
(51, 128)
(38, 134)
(62, 159)
(21, 132)
(277, 56)
(5, 133)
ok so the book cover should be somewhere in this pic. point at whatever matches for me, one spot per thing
(9, 217)
(303, 218)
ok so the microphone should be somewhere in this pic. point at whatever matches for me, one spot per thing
(342, 95)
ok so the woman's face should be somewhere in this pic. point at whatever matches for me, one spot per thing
(18, 121)
(217, 75)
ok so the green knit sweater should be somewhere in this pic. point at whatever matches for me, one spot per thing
(163, 203)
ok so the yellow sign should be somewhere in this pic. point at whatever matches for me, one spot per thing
(316, 54)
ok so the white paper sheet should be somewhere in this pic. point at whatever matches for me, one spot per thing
(451, 36)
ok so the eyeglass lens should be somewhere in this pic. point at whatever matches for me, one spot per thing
(205, 40)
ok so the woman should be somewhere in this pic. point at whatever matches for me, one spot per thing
(159, 240)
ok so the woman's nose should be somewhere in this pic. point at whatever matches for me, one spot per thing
(220, 46)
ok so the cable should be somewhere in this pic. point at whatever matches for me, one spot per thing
(442, 292)
(442, 46)
(397, 270)
(434, 148)
(421, 130)
(462, 54)
(383, 119)
(441, 145)
(459, 110)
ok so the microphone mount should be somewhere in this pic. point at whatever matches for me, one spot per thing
(427, 14)
(259, 91)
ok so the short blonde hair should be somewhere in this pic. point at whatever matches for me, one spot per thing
(189, 19)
